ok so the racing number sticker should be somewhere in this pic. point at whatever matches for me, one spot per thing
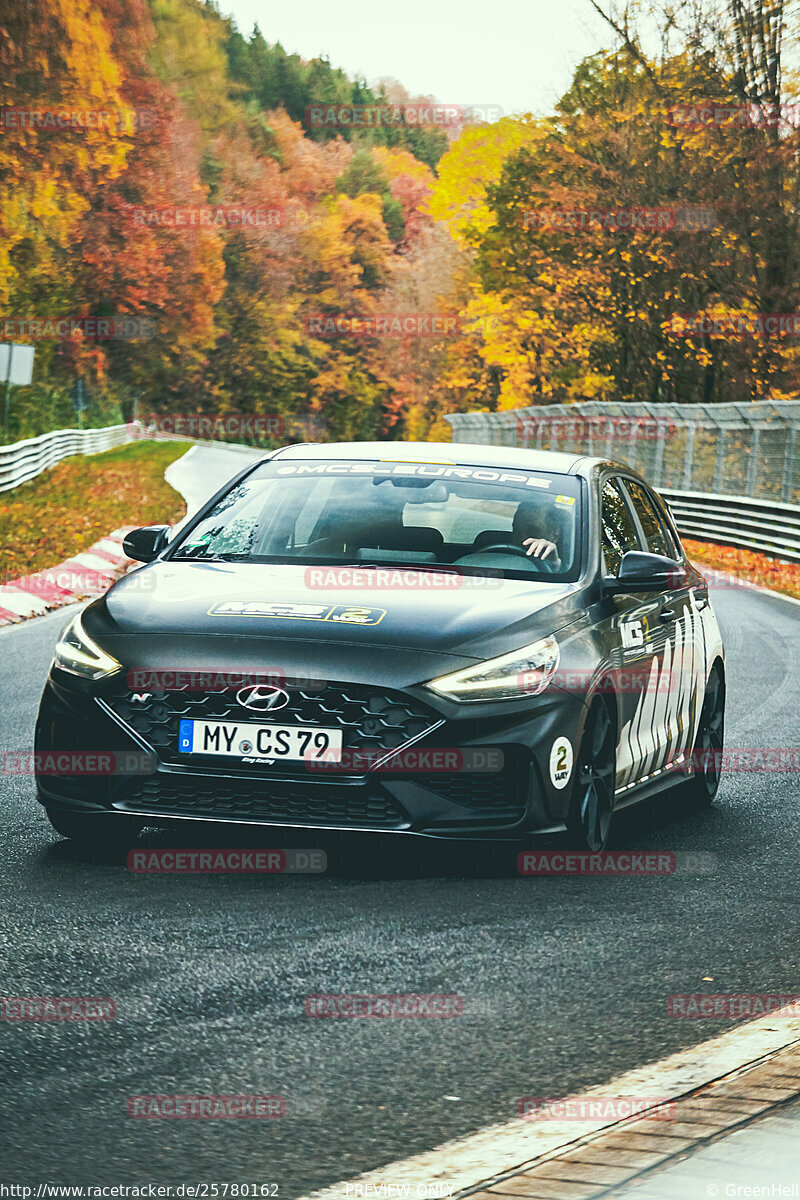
(356, 616)
(561, 762)
(632, 634)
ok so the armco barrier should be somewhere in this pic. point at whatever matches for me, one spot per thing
(761, 525)
(25, 460)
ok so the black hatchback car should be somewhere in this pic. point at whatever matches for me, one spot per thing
(447, 640)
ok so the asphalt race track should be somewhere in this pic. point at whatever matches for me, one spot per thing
(564, 980)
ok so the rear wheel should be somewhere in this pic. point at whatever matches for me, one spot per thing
(706, 761)
(592, 803)
(94, 829)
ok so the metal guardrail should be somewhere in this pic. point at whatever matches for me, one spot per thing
(25, 460)
(741, 521)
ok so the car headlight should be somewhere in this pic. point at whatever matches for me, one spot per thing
(524, 672)
(78, 654)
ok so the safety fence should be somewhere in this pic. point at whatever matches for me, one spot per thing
(731, 449)
(730, 472)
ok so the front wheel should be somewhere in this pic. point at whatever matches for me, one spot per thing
(592, 803)
(100, 830)
(706, 760)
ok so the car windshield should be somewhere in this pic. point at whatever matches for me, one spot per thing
(475, 520)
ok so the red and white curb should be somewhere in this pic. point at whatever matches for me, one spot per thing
(86, 574)
(91, 572)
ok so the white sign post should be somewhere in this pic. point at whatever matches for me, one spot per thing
(16, 367)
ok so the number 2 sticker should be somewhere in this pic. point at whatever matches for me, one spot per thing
(560, 762)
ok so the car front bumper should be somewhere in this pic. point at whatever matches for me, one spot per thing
(454, 770)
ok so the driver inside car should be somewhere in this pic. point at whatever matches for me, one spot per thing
(536, 528)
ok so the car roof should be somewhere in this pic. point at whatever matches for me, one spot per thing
(465, 454)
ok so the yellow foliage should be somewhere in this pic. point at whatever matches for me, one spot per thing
(43, 160)
(400, 162)
(190, 57)
(473, 162)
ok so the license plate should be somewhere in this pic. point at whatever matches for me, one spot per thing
(248, 739)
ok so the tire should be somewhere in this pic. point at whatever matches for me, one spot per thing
(592, 800)
(94, 829)
(706, 762)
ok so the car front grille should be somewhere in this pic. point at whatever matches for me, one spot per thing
(369, 718)
(250, 800)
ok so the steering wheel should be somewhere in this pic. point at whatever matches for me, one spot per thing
(509, 547)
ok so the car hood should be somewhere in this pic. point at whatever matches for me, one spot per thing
(438, 612)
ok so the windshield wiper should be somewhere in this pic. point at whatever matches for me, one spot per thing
(393, 566)
(210, 558)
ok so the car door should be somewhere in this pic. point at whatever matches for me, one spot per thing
(633, 626)
(682, 650)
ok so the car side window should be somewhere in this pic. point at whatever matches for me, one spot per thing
(619, 530)
(658, 538)
(669, 526)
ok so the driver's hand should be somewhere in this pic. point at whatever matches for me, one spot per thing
(539, 547)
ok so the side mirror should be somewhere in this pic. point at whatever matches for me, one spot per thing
(640, 571)
(146, 543)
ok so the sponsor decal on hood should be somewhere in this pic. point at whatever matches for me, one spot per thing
(347, 614)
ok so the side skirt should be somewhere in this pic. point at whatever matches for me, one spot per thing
(650, 785)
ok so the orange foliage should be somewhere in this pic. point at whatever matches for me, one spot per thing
(772, 573)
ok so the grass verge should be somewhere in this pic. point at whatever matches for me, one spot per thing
(80, 500)
(767, 572)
